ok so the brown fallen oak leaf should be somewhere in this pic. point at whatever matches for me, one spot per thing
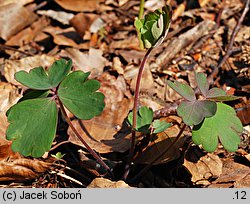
(203, 167)
(13, 18)
(22, 169)
(107, 132)
(106, 183)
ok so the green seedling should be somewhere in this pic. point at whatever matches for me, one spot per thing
(211, 119)
(145, 122)
(33, 120)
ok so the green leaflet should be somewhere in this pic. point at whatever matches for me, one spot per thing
(39, 79)
(32, 126)
(224, 125)
(80, 97)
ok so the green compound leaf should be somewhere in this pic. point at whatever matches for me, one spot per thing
(160, 126)
(80, 97)
(224, 125)
(202, 83)
(153, 29)
(144, 119)
(32, 126)
(184, 90)
(39, 79)
(193, 112)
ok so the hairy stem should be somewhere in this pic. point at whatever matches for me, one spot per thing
(91, 151)
(146, 168)
(141, 11)
(135, 109)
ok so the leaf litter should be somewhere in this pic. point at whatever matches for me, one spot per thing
(111, 52)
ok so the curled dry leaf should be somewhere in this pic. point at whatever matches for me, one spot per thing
(107, 132)
(202, 167)
(26, 64)
(106, 183)
(234, 174)
(22, 169)
(13, 18)
(79, 5)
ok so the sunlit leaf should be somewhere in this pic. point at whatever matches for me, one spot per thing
(160, 126)
(202, 83)
(32, 126)
(143, 120)
(224, 126)
(183, 89)
(39, 79)
(79, 95)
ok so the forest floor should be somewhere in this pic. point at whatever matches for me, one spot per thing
(207, 36)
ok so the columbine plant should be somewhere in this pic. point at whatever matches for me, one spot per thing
(33, 120)
(151, 30)
(211, 119)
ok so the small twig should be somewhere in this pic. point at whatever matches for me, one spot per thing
(135, 109)
(230, 46)
(91, 151)
(146, 168)
(5, 47)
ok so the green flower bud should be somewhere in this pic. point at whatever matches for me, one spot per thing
(153, 29)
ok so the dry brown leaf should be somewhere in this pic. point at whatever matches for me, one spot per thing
(107, 132)
(178, 11)
(147, 81)
(22, 169)
(32, 33)
(106, 183)
(92, 61)
(27, 63)
(21, 2)
(60, 16)
(82, 22)
(160, 142)
(13, 18)
(233, 173)
(202, 167)
(79, 5)
(131, 43)
(203, 2)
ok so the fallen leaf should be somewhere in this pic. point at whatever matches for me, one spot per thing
(107, 132)
(93, 61)
(79, 5)
(13, 18)
(60, 16)
(106, 183)
(233, 173)
(22, 169)
(82, 22)
(26, 64)
(32, 33)
(158, 145)
(21, 2)
(202, 167)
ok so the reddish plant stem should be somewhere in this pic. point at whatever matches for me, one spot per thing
(135, 110)
(146, 168)
(91, 151)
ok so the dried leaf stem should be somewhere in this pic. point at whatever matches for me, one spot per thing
(91, 151)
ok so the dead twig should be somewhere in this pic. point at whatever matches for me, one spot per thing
(230, 45)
